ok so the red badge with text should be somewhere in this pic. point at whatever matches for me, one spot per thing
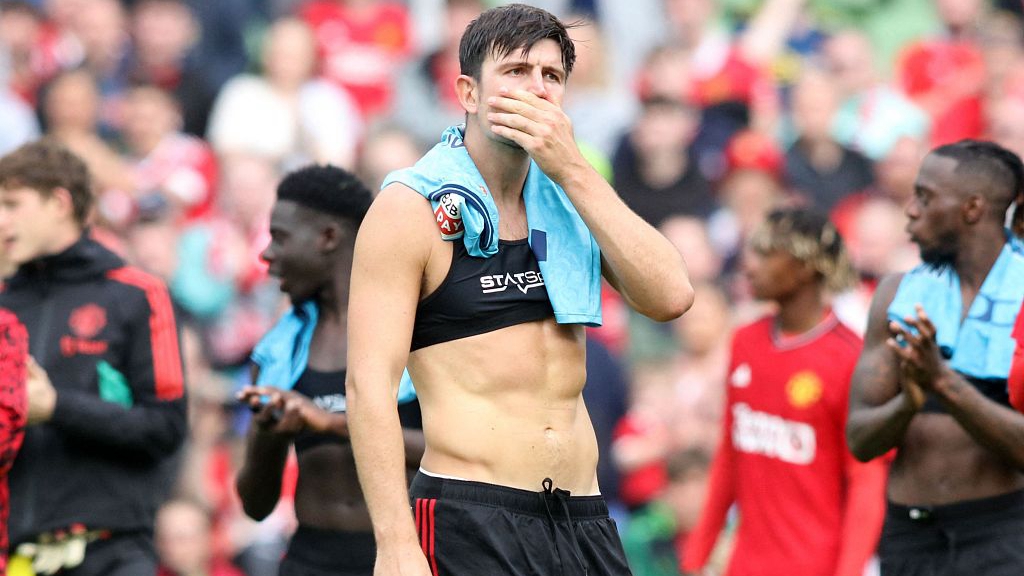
(449, 216)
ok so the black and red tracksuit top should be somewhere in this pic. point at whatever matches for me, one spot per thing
(98, 463)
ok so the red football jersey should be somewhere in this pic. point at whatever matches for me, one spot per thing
(13, 409)
(361, 49)
(955, 70)
(1016, 379)
(806, 507)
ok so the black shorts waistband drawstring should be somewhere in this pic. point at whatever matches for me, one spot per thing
(562, 496)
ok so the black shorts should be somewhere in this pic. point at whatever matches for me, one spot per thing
(318, 552)
(972, 538)
(476, 529)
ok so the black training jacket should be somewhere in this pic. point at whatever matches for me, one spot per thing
(103, 462)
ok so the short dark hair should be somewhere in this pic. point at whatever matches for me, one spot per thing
(998, 170)
(329, 190)
(44, 166)
(663, 102)
(22, 6)
(680, 465)
(500, 31)
(809, 236)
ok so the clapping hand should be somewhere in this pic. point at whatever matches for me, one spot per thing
(921, 365)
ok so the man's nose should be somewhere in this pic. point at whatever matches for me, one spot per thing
(537, 85)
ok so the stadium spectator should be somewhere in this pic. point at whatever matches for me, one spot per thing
(362, 43)
(183, 540)
(425, 100)
(164, 34)
(653, 169)
(285, 114)
(818, 168)
(172, 170)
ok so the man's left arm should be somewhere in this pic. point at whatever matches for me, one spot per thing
(637, 260)
(863, 512)
(994, 426)
(150, 422)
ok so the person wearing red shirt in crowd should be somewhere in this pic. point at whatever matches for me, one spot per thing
(37, 46)
(185, 542)
(13, 408)
(362, 43)
(170, 168)
(946, 75)
(806, 506)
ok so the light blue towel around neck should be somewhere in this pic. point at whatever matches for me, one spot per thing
(283, 352)
(981, 346)
(566, 251)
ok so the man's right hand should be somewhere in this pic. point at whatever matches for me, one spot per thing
(274, 410)
(42, 397)
(407, 560)
(913, 393)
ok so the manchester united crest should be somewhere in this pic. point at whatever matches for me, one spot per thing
(87, 321)
(804, 389)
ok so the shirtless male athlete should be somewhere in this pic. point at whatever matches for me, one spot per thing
(499, 380)
(312, 231)
(932, 378)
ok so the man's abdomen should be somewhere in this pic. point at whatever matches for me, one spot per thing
(506, 408)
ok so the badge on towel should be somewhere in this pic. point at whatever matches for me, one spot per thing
(449, 216)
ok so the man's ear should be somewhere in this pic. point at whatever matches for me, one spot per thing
(974, 208)
(467, 89)
(62, 196)
(332, 235)
(807, 271)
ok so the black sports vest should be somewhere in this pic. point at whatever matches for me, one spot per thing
(327, 391)
(994, 389)
(482, 295)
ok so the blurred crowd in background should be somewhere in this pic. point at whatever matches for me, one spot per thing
(704, 114)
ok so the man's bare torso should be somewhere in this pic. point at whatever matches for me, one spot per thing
(940, 463)
(506, 407)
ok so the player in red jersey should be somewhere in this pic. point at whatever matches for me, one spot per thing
(806, 506)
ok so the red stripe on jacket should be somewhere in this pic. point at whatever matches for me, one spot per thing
(168, 380)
